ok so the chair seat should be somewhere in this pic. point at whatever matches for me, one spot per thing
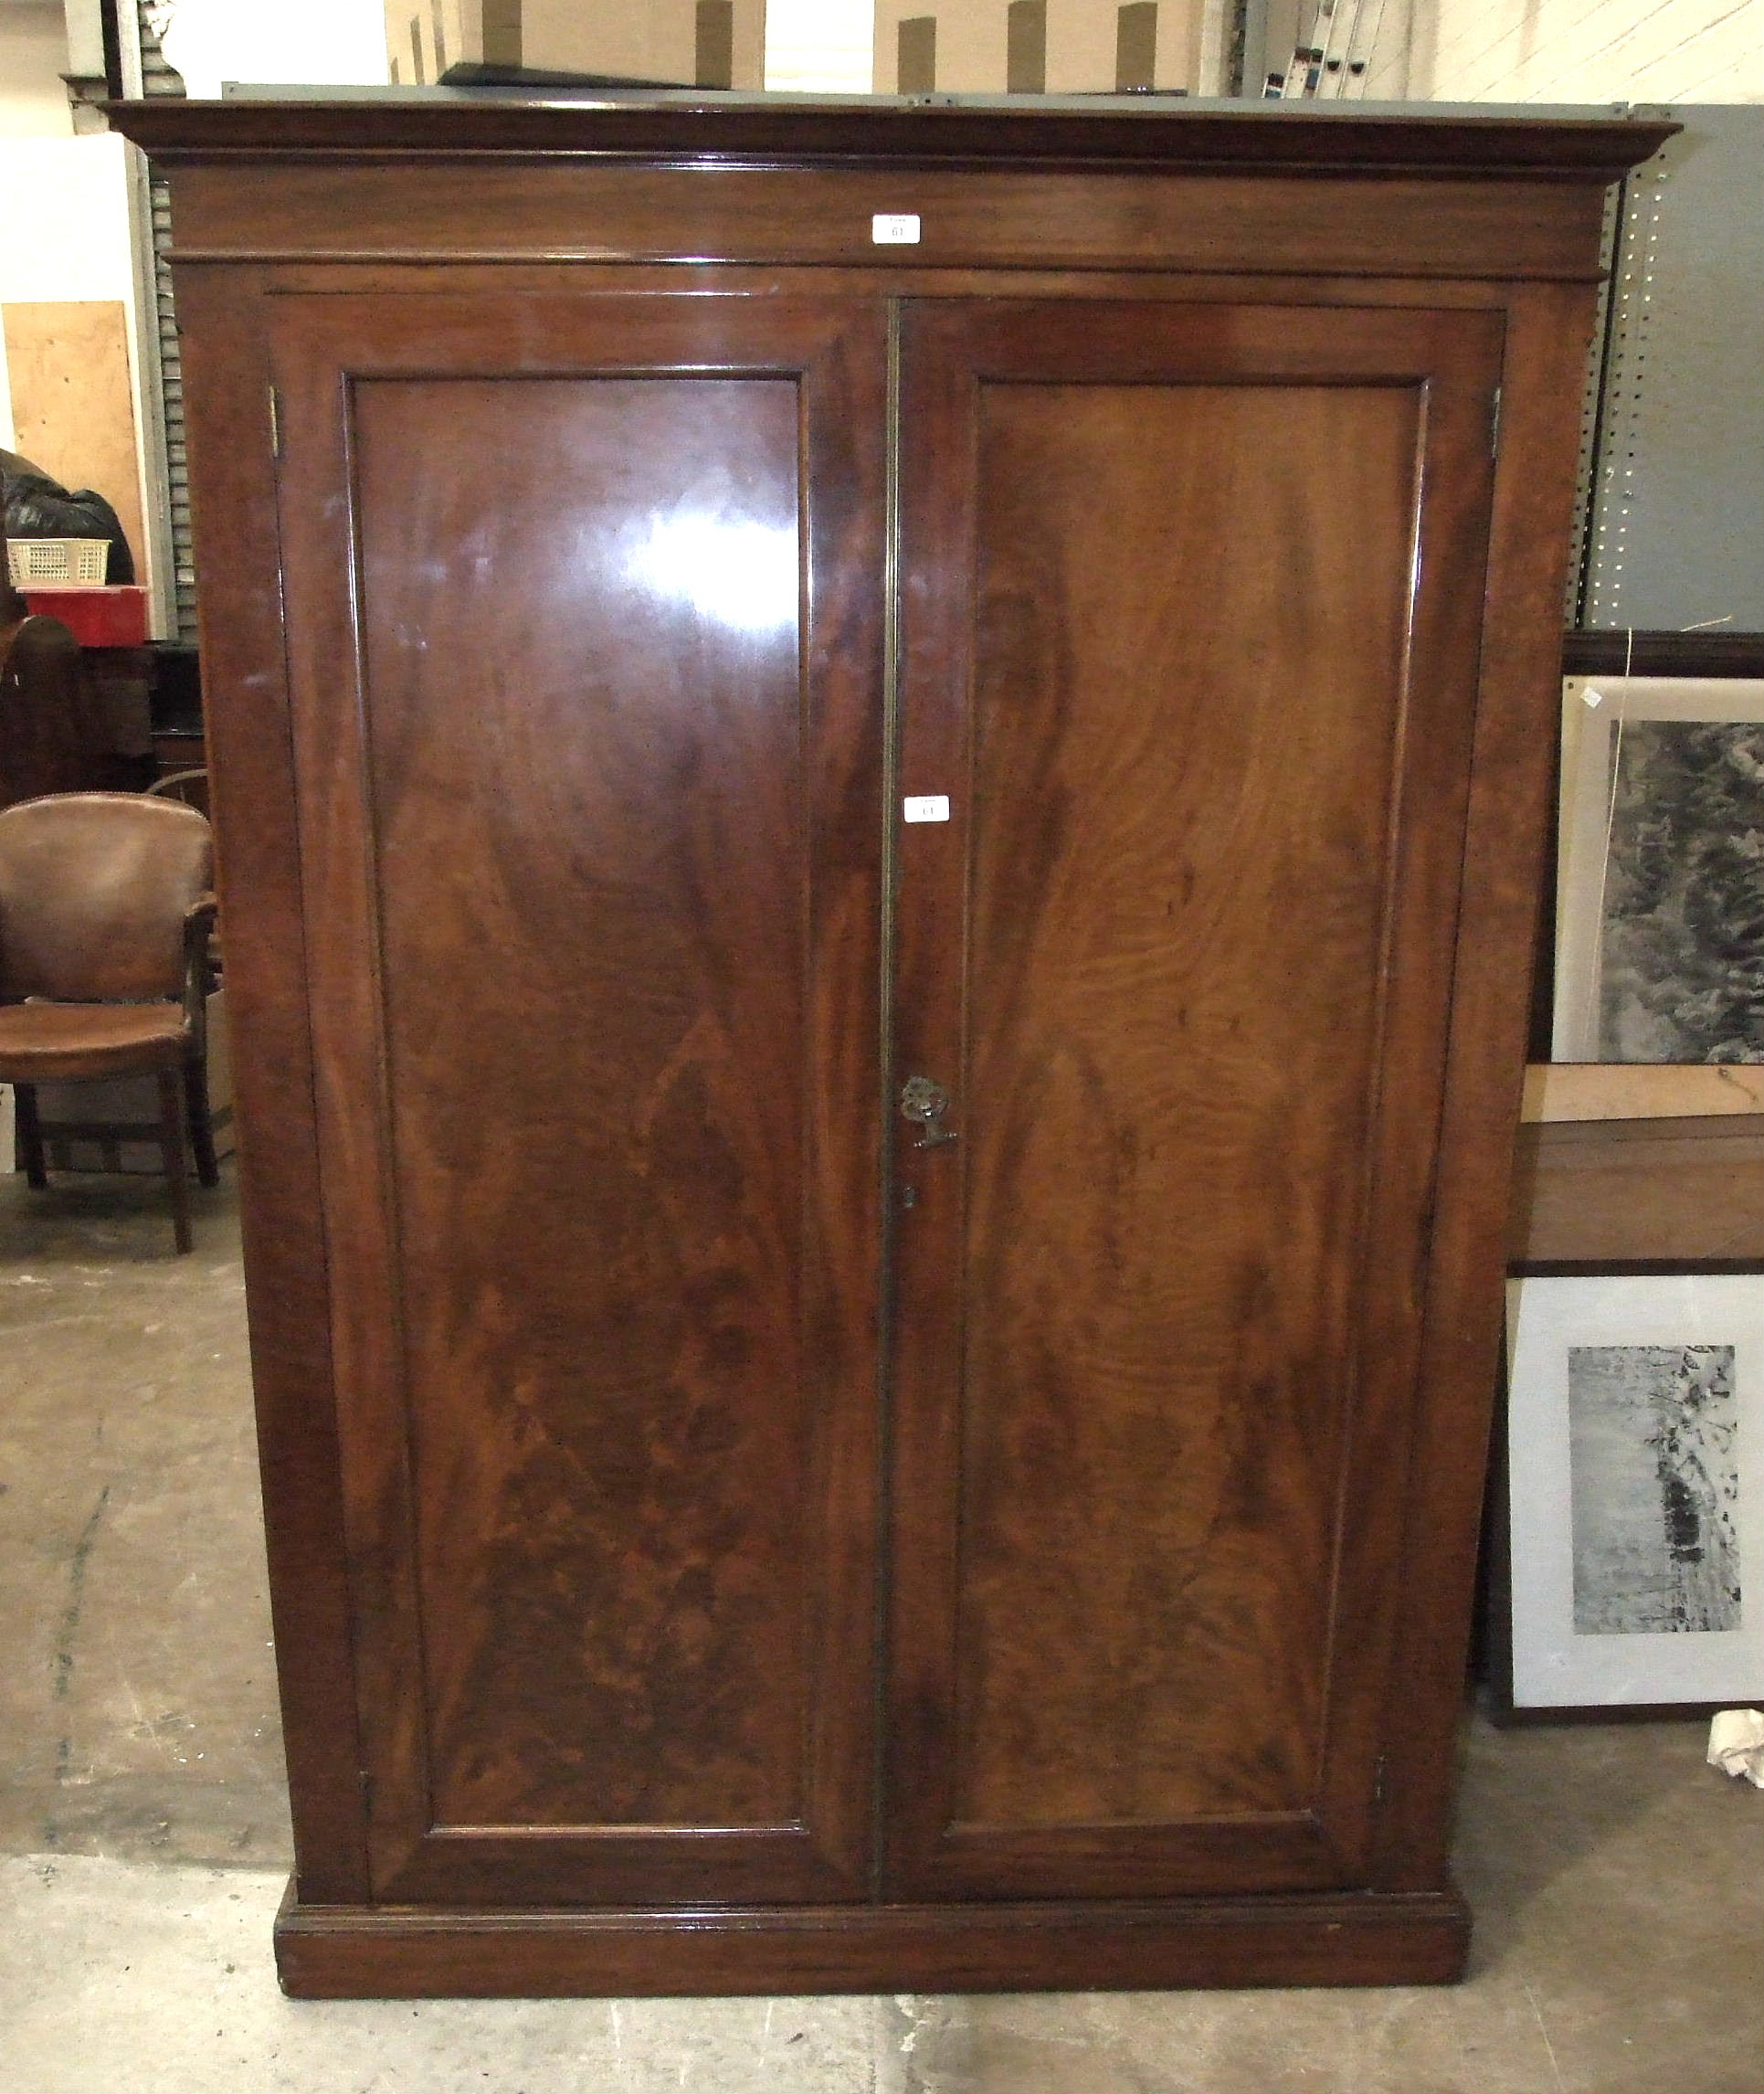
(69, 1043)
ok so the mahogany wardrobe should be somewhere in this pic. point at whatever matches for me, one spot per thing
(881, 773)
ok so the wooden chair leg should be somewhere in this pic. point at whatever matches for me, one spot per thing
(30, 1134)
(202, 1126)
(170, 1149)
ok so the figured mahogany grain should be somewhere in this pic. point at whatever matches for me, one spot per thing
(597, 946)
(1195, 1043)
(1162, 1198)
(584, 973)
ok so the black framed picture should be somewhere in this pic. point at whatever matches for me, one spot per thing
(1635, 1491)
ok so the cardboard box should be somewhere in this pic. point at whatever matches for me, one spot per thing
(692, 43)
(1044, 47)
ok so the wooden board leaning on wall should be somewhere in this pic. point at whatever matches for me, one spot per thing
(67, 365)
(1639, 1164)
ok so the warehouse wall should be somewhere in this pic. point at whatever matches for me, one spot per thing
(1570, 51)
(209, 41)
(33, 56)
(819, 47)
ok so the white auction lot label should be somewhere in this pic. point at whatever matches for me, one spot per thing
(895, 228)
(931, 806)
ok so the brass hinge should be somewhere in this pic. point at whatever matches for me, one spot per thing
(1378, 1783)
(275, 423)
(1494, 423)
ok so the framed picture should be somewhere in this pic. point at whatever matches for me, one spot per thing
(1636, 1490)
(1660, 925)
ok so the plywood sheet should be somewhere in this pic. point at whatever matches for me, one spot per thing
(1641, 1090)
(71, 403)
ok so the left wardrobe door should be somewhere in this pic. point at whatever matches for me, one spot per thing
(584, 612)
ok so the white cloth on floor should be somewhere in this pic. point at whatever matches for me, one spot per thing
(1736, 1744)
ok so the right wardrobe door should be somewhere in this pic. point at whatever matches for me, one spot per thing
(1191, 597)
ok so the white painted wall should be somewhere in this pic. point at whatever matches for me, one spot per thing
(1570, 51)
(811, 46)
(340, 42)
(33, 56)
(819, 46)
(64, 220)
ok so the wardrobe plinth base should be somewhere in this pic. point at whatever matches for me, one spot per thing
(339, 1951)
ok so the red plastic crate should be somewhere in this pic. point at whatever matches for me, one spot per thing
(108, 616)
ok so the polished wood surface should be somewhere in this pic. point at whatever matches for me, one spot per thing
(1598, 1193)
(51, 736)
(295, 1384)
(1402, 1939)
(1164, 1295)
(1518, 712)
(713, 1547)
(594, 953)
(877, 130)
(1008, 218)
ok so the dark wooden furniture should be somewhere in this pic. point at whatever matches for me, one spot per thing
(728, 1535)
(49, 735)
(47, 738)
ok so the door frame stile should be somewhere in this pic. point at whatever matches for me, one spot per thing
(884, 1102)
(348, 408)
(387, 1844)
(246, 643)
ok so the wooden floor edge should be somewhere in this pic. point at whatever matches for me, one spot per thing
(1369, 1939)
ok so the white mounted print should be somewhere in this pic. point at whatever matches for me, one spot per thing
(1635, 1436)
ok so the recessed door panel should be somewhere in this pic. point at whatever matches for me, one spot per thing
(603, 993)
(1190, 600)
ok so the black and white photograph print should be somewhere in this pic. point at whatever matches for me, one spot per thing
(1681, 975)
(1653, 1489)
(1660, 949)
(1635, 1464)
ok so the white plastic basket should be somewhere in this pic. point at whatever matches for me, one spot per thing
(72, 562)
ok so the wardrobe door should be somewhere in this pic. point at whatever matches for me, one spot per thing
(584, 604)
(1190, 642)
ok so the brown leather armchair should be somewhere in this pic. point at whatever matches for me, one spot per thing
(105, 912)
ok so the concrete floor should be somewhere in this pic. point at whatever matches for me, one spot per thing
(1618, 1884)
